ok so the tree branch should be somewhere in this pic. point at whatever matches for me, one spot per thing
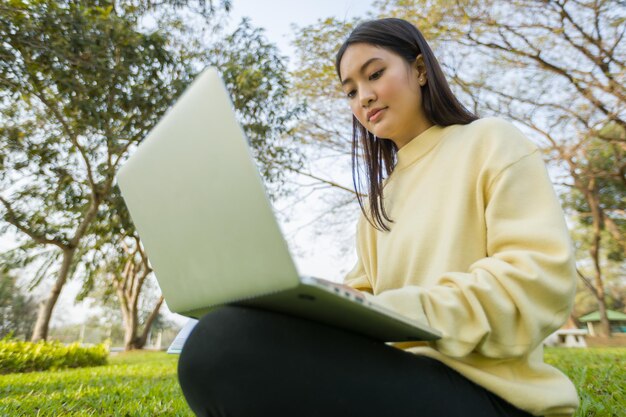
(587, 283)
(12, 218)
(40, 94)
(325, 181)
(153, 315)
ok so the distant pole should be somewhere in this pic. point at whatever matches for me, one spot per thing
(158, 340)
(81, 337)
(592, 331)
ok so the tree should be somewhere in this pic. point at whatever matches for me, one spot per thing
(596, 198)
(613, 271)
(256, 76)
(116, 265)
(106, 84)
(17, 310)
(81, 86)
(128, 284)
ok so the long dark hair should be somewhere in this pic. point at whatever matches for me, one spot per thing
(440, 105)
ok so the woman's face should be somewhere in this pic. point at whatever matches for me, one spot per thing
(384, 91)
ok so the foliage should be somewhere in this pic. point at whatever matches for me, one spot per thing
(205, 8)
(598, 169)
(256, 76)
(595, 201)
(19, 356)
(17, 310)
(315, 80)
(81, 85)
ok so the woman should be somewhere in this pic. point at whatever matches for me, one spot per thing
(462, 231)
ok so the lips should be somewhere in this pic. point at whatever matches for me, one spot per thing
(375, 114)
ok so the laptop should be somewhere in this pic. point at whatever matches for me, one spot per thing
(201, 209)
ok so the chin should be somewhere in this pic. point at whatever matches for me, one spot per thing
(381, 133)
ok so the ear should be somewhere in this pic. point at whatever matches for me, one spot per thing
(420, 68)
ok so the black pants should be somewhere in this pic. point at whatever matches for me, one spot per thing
(246, 362)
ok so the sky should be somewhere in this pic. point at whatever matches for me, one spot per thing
(316, 255)
(277, 16)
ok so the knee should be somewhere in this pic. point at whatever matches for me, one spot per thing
(225, 328)
(217, 326)
(221, 342)
(231, 349)
(214, 332)
(211, 354)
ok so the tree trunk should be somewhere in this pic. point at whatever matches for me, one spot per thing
(605, 327)
(132, 340)
(128, 292)
(141, 340)
(596, 213)
(40, 332)
(129, 318)
(130, 332)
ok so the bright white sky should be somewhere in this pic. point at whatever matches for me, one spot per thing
(276, 17)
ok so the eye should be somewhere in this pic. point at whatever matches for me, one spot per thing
(351, 93)
(377, 74)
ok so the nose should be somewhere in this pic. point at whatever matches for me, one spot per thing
(366, 96)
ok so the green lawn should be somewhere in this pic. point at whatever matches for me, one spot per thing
(132, 384)
(599, 374)
(144, 384)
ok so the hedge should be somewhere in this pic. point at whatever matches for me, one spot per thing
(19, 356)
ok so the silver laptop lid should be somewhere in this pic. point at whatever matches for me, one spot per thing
(200, 207)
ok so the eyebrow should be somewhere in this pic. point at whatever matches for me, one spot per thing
(369, 61)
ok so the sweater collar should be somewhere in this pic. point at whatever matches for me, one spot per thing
(418, 146)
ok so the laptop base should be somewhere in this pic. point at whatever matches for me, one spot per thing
(323, 305)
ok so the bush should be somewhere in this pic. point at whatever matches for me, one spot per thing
(19, 356)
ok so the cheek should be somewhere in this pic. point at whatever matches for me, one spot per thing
(393, 89)
(396, 87)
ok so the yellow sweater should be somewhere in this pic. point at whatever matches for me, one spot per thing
(480, 251)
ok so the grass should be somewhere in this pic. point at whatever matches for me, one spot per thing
(599, 375)
(132, 384)
(144, 384)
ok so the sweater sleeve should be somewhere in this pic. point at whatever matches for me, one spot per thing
(506, 303)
